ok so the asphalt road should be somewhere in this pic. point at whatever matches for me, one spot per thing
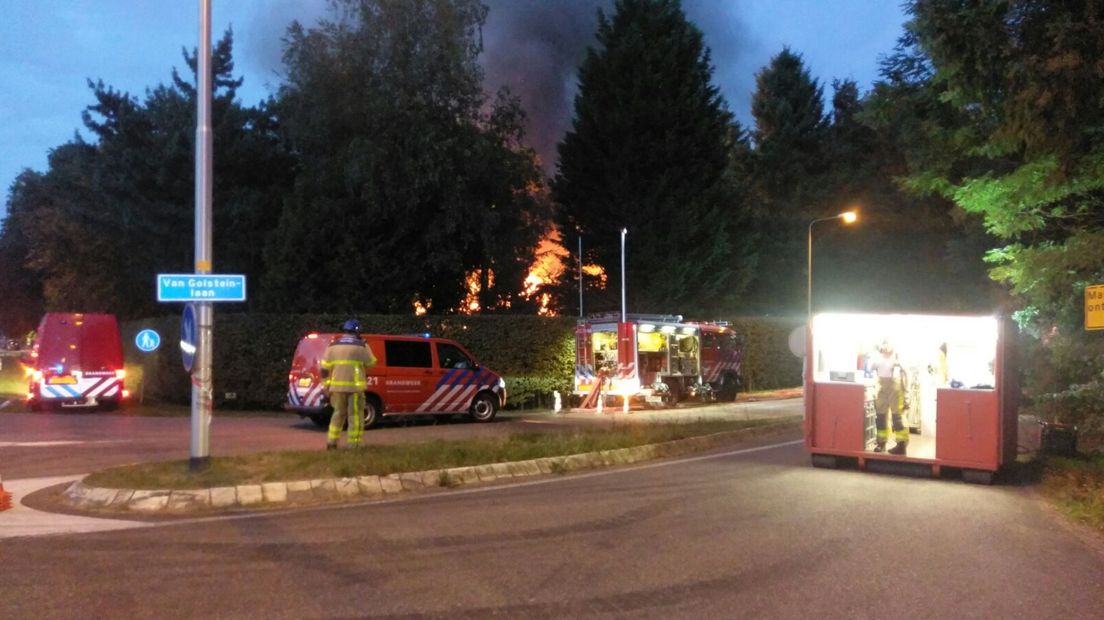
(737, 534)
(34, 445)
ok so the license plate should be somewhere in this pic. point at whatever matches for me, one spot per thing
(62, 380)
(305, 382)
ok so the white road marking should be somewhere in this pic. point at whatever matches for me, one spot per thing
(23, 521)
(5, 403)
(59, 442)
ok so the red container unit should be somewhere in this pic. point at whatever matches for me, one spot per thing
(76, 361)
(951, 384)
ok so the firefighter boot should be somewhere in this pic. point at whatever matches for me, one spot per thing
(880, 447)
(900, 448)
(331, 446)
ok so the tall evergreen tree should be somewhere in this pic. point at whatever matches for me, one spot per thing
(408, 187)
(650, 149)
(791, 143)
(110, 214)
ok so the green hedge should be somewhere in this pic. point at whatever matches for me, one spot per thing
(534, 354)
(768, 362)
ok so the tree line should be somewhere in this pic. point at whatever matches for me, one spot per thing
(381, 176)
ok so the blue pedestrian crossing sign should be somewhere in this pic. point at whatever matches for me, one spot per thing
(147, 340)
(188, 337)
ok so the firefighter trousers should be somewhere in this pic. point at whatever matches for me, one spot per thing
(346, 405)
(889, 403)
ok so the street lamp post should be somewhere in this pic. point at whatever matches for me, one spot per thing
(848, 217)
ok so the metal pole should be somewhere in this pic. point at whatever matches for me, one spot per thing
(201, 376)
(809, 275)
(624, 316)
(580, 276)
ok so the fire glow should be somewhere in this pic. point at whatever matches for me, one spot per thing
(546, 269)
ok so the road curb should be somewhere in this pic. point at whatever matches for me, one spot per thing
(80, 496)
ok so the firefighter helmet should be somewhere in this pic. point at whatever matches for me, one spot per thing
(352, 326)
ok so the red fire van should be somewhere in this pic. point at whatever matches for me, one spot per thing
(413, 375)
(76, 360)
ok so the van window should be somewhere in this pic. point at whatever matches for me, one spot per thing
(450, 356)
(408, 354)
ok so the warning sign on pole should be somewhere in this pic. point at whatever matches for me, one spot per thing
(1094, 306)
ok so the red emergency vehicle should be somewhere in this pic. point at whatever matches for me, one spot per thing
(658, 358)
(959, 402)
(76, 360)
(413, 375)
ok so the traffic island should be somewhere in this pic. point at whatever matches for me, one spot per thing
(247, 497)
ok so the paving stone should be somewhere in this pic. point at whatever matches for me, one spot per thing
(607, 457)
(97, 496)
(370, 486)
(575, 462)
(121, 498)
(324, 489)
(517, 469)
(347, 487)
(149, 501)
(594, 460)
(411, 481)
(544, 465)
(249, 494)
(502, 470)
(485, 472)
(391, 483)
(189, 500)
(224, 497)
(76, 491)
(432, 478)
(529, 468)
(275, 492)
(299, 491)
(463, 475)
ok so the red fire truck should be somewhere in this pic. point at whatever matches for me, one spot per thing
(661, 359)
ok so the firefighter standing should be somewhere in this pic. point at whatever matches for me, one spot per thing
(343, 379)
(892, 383)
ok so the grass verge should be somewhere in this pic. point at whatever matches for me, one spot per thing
(1076, 486)
(382, 460)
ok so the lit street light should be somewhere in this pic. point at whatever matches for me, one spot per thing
(848, 217)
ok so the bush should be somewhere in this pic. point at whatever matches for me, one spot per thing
(768, 363)
(535, 355)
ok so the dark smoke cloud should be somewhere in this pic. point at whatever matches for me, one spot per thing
(535, 48)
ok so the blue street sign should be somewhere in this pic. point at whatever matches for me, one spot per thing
(188, 336)
(147, 340)
(200, 287)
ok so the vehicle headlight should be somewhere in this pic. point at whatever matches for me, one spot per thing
(501, 383)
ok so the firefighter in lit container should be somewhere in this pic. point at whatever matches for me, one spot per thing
(890, 401)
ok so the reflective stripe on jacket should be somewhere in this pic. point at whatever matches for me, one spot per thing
(345, 362)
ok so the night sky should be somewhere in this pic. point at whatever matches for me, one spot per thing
(50, 48)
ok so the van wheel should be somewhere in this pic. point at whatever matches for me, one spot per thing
(371, 412)
(484, 408)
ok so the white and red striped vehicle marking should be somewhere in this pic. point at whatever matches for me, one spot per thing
(730, 362)
(90, 385)
(456, 389)
(309, 396)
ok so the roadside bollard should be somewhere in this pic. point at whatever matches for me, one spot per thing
(557, 405)
(5, 497)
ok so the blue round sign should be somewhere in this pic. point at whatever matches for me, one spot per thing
(188, 336)
(147, 340)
